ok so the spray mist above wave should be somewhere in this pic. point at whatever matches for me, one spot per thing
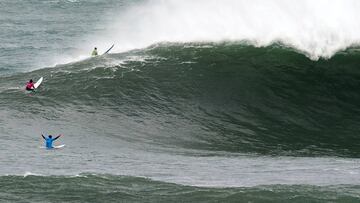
(316, 28)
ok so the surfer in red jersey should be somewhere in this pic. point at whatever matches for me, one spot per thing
(30, 85)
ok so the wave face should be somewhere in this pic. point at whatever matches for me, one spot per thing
(107, 188)
(317, 29)
(217, 97)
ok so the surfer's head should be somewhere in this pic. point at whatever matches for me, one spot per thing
(95, 48)
(50, 136)
(31, 80)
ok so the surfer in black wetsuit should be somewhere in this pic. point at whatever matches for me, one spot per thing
(94, 52)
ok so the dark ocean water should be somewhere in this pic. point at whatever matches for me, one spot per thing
(189, 121)
(216, 97)
(106, 188)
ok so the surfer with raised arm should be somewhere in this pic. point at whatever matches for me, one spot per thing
(49, 141)
(30, 85)
(94, 52)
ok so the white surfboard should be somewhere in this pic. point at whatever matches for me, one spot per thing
(54, 147)
(37, 84)
(59, 146)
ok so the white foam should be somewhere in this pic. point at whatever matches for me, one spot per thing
(31, 174)
(318, 28)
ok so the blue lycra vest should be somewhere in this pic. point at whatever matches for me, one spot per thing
(49, 142)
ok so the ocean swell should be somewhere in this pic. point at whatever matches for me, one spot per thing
(217, 97)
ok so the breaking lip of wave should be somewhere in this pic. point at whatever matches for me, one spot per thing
(319, 29)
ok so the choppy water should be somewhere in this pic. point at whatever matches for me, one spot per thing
(196, 116)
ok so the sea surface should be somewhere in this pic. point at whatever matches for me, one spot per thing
(199, 101)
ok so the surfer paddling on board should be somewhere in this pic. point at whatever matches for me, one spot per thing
(94, 52)
(30, 85)
(49, 141)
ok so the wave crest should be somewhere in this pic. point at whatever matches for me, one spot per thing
(318, 29)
